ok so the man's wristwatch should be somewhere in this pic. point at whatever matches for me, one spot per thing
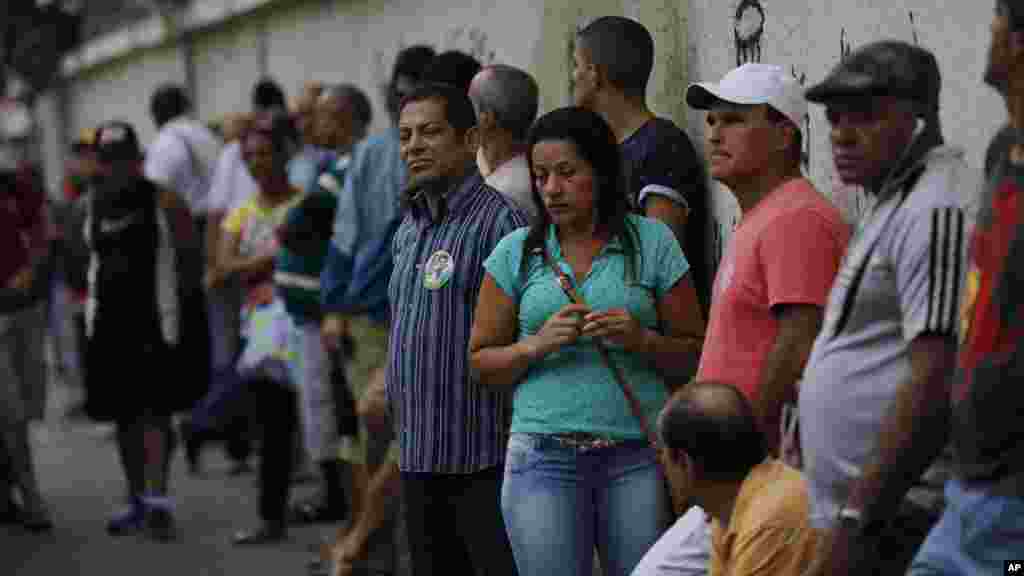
(853, 519)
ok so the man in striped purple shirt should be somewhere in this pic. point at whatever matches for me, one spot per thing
(451, 431)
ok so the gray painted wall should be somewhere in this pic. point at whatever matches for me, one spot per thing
(809, 38)
(355, 41)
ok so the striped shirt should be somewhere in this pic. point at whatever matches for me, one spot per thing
(900, 279)
(447, 423)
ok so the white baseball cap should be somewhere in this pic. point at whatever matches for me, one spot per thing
(751, 84)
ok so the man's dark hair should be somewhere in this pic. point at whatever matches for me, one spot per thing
(796, 149)
(168, 102)
(1015, 12)
(511, 95)
(278, 127)
(623, 49)
(362, 111)
(458, 109)
(267, 94)
(453, 67)
(714, 424)
(411, 63)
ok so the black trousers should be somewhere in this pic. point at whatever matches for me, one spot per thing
(455, 526)
(277, 405)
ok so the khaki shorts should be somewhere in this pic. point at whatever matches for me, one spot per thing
(371, 354)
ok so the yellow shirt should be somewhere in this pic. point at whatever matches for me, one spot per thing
(769, 533)
(255, 224)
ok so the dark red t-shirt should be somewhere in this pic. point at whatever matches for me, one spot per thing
(988, 391)
(22, 199)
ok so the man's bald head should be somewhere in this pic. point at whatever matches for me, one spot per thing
(714, 424)
(510, 94)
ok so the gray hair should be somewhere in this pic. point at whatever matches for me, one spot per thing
(511, 95)
(362, 111)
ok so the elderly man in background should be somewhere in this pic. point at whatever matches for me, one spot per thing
(506, 101)
(355, 303)
(304, 168)
(342, 116)
(874, 398)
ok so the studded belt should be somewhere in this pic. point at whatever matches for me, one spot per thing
(584, 442)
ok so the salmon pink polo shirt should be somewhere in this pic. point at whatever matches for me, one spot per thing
(786, 250)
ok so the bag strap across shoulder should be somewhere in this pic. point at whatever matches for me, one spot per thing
(565, 283)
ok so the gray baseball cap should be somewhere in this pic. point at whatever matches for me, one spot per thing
(889, 67)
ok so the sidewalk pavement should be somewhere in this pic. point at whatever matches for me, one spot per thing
(80, 477)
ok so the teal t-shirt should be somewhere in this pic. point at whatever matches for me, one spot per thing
(572, 390)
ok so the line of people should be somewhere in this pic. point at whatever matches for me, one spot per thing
(502, 318)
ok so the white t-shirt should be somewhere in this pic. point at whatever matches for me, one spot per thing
(915, 253)
(186, 168)
(683, 550)
(232, 182)
(513, 180)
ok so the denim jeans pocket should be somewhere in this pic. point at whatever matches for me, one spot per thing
(993, 527)
(522, 454)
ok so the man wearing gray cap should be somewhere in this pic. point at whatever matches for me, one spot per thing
(873, 402)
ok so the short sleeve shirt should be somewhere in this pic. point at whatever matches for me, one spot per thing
(760, 271)
(768, 531)
(232, 182)
(182, 159)
(572, 390)
(900, 279)
(256, 227)
(988, 430)
(660, 160)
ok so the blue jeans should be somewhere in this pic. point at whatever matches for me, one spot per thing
(977, 534)
(559, 502)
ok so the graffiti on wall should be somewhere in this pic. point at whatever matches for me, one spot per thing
(471, 40)
(805, 154)
(381, 71)
(748, 29)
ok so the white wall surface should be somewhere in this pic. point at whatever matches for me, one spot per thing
(121, 90)
(356, 40)
(228, 61)
(808, 38)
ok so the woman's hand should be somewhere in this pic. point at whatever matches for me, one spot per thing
(214, 277)
(22, 280)
(618, 327)
(562, 329)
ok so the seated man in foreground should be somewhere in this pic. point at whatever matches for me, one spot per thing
(714, 455)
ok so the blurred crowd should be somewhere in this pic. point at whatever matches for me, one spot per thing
(507, 322)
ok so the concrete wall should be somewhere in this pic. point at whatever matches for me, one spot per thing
(809, 37)
(121, 90)
(356, 40)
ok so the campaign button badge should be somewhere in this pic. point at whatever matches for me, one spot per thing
(438, 270)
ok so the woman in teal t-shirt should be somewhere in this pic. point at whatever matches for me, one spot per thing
(579, 471)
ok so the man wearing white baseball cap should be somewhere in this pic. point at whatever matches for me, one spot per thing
(771, 285)
(774, 277)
